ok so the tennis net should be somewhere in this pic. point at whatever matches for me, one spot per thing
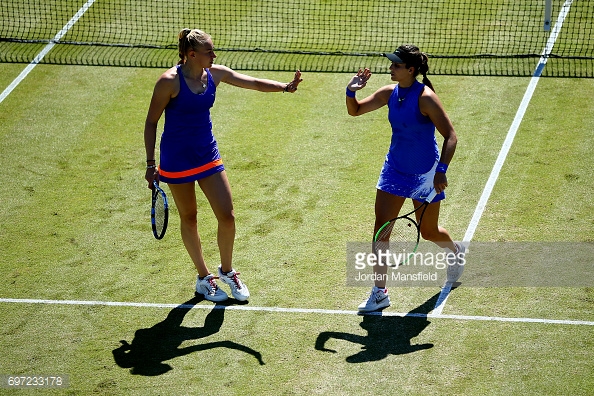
(462, 37)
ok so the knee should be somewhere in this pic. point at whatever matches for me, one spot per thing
(430, 233)
(189, 218)
(227, 220)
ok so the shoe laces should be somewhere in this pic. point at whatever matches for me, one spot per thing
(235, 279)
(212, 285)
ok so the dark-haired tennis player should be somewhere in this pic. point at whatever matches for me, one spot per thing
(189, 153)
(413, 165)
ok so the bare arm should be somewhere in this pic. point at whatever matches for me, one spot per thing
(230, 76)
(373, 102)
(431, 106)
(166, 87)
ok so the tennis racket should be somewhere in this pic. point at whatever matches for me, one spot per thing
(159, 211)
(404, 231)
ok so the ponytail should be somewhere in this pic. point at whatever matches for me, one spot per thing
(182, 45)
(423, 69)
(190, 39)
(413, 57)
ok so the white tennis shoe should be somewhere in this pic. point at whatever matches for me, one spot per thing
(209, 289)
(239, 290)
(456, 264)
(378, 299)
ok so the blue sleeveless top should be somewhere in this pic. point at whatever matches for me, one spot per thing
(188, 114)
(413, 148)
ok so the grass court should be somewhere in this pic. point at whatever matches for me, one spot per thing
(80, 270)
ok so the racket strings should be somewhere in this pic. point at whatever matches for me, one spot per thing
(159, 212)
(404, 231)
(384, 233)
(400, 233)
(399, 230)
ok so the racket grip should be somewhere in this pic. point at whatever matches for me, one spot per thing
(431, 196)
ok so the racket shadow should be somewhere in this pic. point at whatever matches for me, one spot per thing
(387, 335)
(152, 347)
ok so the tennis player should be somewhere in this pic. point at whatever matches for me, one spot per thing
(189, 153)
(413, 165)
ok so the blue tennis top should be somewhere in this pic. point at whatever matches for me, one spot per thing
(413, 148)
(188, 114)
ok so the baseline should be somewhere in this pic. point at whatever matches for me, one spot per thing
(296, 310)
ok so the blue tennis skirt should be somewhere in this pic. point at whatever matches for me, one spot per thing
(408, 185)
(184, 164)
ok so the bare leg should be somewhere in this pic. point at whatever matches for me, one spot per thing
(218, 192)
(184, 196)
(430, 230)
(387, 207)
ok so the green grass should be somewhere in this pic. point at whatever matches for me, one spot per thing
(303, 173)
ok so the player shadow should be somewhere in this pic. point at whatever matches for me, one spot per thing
(151, 347)
(387, 335)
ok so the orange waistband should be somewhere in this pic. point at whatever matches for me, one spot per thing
(191, 172)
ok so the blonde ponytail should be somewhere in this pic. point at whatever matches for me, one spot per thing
(190, 39)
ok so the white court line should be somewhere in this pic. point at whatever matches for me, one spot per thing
(296, 310)
(45, 50)
(511, 134)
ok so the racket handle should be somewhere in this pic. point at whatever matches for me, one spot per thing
(431, 196)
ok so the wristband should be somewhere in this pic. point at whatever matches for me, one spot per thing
(349, 93)
(151, 166)
(441, 167)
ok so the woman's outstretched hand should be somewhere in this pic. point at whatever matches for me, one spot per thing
(359, 80)
(292, 86)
